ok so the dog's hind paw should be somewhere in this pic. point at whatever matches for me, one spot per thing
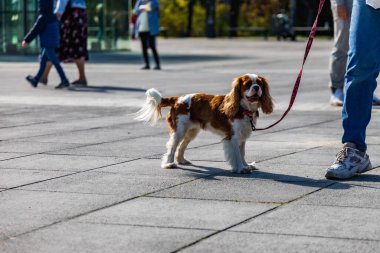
(168, 165)
(247, 170)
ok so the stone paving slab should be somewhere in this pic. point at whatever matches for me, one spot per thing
(107, 183)
(14, 178)
(49, 162)
(243, 188)
(70, 124)
(318, 220)
(152, 167)
(100, 238)
(32, 147)
(122, 148)
(10, 155)
(23, 211)
(178, 213)
(97, 135)
(275, 242)
(361, 192)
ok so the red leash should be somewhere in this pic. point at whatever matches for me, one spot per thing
(297, 83)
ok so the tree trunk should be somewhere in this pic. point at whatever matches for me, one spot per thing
(190, 12)
(210, 18)
(234, 16)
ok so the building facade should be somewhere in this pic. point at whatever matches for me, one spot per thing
(107, 19)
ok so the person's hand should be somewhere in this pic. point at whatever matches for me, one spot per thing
(342, 12)
(24, 43)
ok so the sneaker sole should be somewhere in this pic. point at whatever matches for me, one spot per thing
(331, 175)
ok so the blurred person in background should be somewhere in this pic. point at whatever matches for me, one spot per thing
(73, 43)
(148, 27)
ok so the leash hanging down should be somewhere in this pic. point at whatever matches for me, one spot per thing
(297, 83)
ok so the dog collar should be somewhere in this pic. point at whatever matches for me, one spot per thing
(250, 113)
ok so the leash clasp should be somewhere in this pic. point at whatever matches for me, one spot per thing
(252, 125)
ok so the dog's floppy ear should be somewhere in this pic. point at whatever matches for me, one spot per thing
(266, 101)
(232, 102)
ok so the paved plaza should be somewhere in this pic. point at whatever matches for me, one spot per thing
(78, 174)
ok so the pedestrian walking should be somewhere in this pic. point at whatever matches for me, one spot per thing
(341, 10)
(362, 70)
(47, 28)
(73, 44)
(148, 27)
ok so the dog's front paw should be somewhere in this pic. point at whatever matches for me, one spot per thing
(168, 165)
(252, 165)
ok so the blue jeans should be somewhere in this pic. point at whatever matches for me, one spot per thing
(362, 70)
(48, 54)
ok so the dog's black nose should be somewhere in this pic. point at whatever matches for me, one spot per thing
(256, 88)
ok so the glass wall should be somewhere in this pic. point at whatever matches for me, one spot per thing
(16, 17)
(108, 24)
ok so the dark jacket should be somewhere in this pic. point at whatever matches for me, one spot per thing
(46, 25)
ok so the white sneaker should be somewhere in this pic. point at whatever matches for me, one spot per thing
(336, 98)
(349, 162)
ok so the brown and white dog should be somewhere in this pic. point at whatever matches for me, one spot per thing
(229, 116)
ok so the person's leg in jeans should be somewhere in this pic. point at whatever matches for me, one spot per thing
(338, 57)
(152, 43)
(362, 70)
(144, 38)
(44, 58)
(50, 53)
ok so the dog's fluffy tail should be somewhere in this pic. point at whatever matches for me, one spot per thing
(150, 112)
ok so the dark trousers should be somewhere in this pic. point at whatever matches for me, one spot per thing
(48, 54)
(149, 41)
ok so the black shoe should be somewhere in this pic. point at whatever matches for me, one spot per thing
(32, 81)
(145, 67)
(157, 68)
(63, 85)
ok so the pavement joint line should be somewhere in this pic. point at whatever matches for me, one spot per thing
(70, 174)
(30, 124)
(143, 225)
(287, 154)
(11, 158)
(298, 127)
(81, 146)
(70, 131)
(100, 143)
(249, 219)
(68, 192)
(357, 207)
(93, 210)
(220, 200)
(307, 236)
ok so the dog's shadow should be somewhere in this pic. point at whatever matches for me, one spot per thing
(213, 173)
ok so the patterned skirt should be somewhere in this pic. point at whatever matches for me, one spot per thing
(73, 44)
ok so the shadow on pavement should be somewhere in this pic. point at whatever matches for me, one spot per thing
(212, 172)
(105, 89)
(127, 58)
